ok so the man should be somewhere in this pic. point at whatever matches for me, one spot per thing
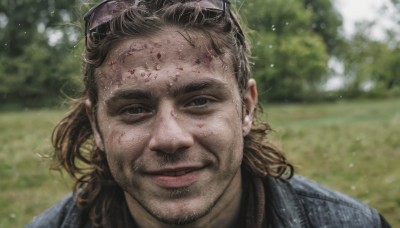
(164, 136)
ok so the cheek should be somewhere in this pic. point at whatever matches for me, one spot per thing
(125, 144)
(222, 137)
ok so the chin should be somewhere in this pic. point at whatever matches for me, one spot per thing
(181, 212)
(182, 217)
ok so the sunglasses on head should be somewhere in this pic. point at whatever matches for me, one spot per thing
(97, 17)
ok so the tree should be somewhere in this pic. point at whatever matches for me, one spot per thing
(34, 67)
(290, 56)
(372, 65)
(327, 22)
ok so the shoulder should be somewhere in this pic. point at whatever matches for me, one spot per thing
(64, 214)
(322, 205)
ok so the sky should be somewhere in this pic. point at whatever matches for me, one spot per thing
(357, 10)
(352, 12)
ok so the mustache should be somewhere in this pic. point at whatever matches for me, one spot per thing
(162, 160)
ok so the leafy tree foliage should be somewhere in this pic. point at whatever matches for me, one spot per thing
(327, 22)
(36, 43)
(372, 66)
(291, 52)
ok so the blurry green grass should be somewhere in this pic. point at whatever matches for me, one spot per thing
(353, 147)
(26, 185)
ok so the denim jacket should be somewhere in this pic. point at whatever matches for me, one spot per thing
(296, 203)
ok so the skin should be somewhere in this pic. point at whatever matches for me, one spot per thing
(171, 122)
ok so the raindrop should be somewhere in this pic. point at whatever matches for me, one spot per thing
(353, 187)
(270, 46)
(340, 97)
(287, 23)
(273, 28)
(351, 165)
(13, 215)
(272, 65)
(5, 44)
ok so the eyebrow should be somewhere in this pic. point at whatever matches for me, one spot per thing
(128, 94)
(198, 86)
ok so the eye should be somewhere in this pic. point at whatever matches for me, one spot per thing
(135, 110)
(200, 102)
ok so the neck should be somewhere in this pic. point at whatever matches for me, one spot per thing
(225, 212)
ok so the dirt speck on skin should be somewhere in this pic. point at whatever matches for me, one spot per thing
(159, 55)
(180, 56)
(121, 136)
(198, 61)
(132, 71)
(158, 67)
(173, 113)
(143, 74)
(200, 125)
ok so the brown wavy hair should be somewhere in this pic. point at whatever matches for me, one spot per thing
(96, 193)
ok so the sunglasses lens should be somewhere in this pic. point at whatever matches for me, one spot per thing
(104, 12)
(98, 16)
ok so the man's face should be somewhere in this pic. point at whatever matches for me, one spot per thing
(170, 120)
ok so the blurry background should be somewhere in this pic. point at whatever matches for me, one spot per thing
(327, 72)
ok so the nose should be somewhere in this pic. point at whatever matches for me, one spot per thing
(170, 133)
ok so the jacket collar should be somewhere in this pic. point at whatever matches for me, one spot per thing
(283, 206)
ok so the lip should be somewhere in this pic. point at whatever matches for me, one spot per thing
(175, 177)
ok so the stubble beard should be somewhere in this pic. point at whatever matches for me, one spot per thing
(178, 219)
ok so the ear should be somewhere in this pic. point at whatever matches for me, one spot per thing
(90, 112)
(250, 100)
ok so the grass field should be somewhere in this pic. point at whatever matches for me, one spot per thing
(353, 147)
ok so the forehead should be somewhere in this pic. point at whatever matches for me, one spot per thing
(165, 55)
(168, 41)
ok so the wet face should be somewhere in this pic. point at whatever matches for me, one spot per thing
(171, 122)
